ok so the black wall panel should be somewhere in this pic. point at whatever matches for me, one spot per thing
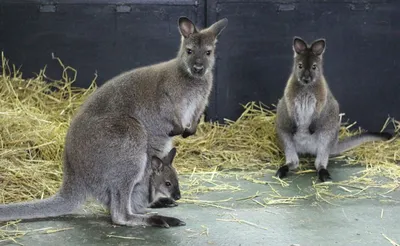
(254, 53)
(361, 60)
(92, 36)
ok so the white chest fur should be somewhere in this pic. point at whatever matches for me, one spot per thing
(189, 107)
(304, 108)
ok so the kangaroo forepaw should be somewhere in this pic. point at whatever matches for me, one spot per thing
(168, 202)
(175, 132)
(282, 171)
(163, 203)
(186, 133)
(323, 175)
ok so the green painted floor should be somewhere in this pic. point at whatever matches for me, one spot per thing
(307, 222)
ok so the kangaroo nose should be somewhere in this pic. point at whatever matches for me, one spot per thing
(177, 196)
(197, 68)
(306, 80)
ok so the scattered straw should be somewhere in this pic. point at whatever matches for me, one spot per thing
(11, 232)
(205, 231)
(234, 219)
(123, 237)
(390, 240)
(58, 230)
(204, 203)
(35, 115)
(250, 197)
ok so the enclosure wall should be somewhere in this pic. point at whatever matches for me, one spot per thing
(254, 53)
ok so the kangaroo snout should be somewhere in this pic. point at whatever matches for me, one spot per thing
(177, 196)
(198, 68)
(306, 80)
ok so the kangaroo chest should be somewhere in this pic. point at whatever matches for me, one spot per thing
(194, 100)
(304, 108)
(189, 107)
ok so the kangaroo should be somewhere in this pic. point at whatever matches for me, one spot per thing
(307, 120)
(164, 184)
(128, 119)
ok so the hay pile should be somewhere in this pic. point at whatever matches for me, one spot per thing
(35, 116)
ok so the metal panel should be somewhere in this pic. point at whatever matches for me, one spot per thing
(103, 38)
(56, 2)
(361, 60)
(306, 1)
(254, 54)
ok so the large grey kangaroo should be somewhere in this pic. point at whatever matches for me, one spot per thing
(132, 116)
(308, 120)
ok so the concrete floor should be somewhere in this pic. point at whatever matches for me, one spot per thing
(311, 222)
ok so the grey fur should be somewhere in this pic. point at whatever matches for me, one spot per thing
(308, 119)
(350, 142)
(164, 183)
(132, 116)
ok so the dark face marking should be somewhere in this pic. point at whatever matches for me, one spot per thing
(308, 60)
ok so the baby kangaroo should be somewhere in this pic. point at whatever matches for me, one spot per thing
(164, 184)
(125, 122)
(308, 119)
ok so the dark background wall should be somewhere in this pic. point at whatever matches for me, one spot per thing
(254, 53)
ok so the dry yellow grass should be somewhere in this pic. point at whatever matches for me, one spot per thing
(35, 115)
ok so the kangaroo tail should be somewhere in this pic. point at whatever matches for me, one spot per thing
(355, 141)
(61, 203)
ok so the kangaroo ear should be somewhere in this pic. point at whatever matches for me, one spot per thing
(318, 46)
(218, 26)
(156, 164)
(170, 157)
(299, 46)
(186, 27)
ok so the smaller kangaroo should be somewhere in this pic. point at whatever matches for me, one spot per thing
(164, 184)
(159, 187)
(307, 120)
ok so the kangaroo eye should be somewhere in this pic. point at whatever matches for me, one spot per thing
(314, 66)
(208, 52)
(167, 183)
(300, 65)
(189, 51)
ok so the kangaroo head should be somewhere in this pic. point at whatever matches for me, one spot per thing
(308, 60)
(197, 51)
(165, 178)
